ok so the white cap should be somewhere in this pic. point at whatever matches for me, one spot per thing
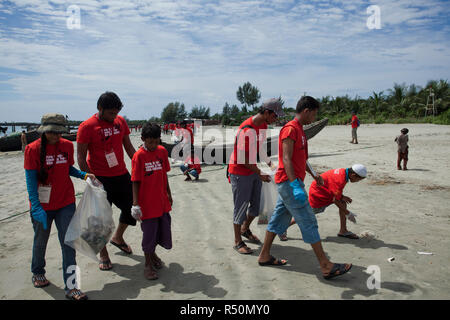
(360, 170)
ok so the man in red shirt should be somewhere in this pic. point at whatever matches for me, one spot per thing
(320, 197)
(293, 199)
(102, 139)
(245, 177)
(355, 125)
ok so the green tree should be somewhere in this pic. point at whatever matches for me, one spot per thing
(226, 110)
(174, 111)
(248, 95)
(200, 112)
(234, 112)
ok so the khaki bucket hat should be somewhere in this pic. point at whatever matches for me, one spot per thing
(53, 122)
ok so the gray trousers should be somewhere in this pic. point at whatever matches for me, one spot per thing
(246, 196)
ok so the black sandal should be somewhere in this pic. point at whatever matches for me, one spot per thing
(337, 267)
(105, 263)
(249, 235)
(272, 261)
(241, 245)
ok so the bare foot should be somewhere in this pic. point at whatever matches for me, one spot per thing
(150, 273)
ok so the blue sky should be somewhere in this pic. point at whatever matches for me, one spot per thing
(198, 52)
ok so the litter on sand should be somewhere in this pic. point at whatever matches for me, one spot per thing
(391, 259)
(369, 235)
(425, 253)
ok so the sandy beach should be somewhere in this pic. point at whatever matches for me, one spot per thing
(407, 211)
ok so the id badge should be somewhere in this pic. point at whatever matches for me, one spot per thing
(111, 158)
(44, 193)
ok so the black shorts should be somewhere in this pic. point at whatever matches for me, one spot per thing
(119, 190)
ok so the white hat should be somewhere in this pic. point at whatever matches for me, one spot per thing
(360, 170)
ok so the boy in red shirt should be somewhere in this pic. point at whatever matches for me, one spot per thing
(293, 199)
(191, 166)
(320, 197)
(152, 198)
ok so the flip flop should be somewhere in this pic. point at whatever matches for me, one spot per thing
(240, 245)
(271, 262)
(105, 263)
(122, 247)
(337, 267)
(249, 235)
(349, 235)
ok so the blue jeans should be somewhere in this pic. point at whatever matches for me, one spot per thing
(286, 208)
(62, 219)
(193, 172)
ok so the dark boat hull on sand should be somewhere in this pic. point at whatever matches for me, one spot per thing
(224, 151)
(13, 142)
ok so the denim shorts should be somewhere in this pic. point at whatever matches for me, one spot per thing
(288, 207)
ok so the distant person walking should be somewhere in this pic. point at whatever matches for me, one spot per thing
(355, 125)
(100, 143)
(245, 177)
(48, 164)
(293, 199)
(23, 139)
(402, 150)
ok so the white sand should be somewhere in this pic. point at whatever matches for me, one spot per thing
(406, 211)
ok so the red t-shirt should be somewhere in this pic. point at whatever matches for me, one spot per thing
(104, 138)
(293, 130)
(354, 121)
(248, 141)
(194, 163)
(334, 183)
(58, 159)
(150, 168)
(166, 127)
(172, 126)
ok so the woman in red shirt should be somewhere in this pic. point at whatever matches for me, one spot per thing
(48, 164)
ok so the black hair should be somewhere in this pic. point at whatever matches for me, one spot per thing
(151, 130)
(261, 110)
(404, 131)
(109, 100)
(350, 171)
(42, 173)
(307, 102)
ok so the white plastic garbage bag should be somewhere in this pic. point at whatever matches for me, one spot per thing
(92, 225)
(269, 196)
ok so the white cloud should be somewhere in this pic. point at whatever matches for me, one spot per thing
(199, 52)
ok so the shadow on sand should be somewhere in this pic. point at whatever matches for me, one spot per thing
(354, 282)
(365, 243)
(172, 277)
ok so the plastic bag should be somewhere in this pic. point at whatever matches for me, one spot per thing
(269, 196)
(92, 225)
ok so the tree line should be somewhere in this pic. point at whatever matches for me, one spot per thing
(401, 104)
